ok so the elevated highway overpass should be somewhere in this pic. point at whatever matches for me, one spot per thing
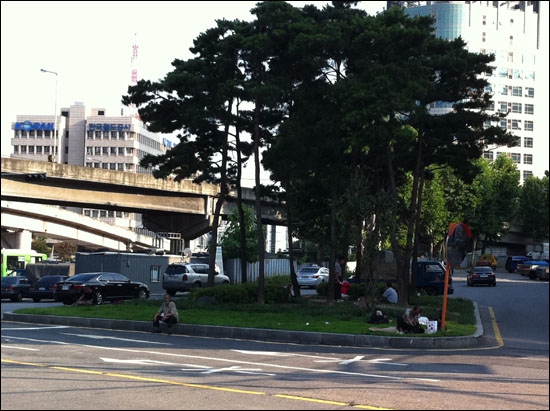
(166, 205)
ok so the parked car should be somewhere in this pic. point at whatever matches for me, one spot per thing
(481, 275)
(45, 287)
(312, 276)
(106, 286)
(15, 287)
(541, 273)
(430, 278)
(487, 260)
(530, 266)
(184, 276)
(512, 262)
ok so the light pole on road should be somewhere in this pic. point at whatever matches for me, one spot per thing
(55, 120)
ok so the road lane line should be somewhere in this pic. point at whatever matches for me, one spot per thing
(104, 337)
(19, 348)
(313, 370)
(202, 386)
(498, 336)
(34, 328)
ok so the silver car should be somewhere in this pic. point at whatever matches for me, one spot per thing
(184, 276)
(312, 276)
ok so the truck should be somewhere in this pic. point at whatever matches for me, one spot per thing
(540, 252)
(487, 260)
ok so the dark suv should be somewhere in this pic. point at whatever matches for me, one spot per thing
(15, 287)
(430, 278)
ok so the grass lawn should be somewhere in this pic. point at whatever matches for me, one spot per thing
(308, 315)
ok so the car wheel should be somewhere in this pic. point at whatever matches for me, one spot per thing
(142, 294)
(36, 299)
(494, 284)
(431, 291)
(98, 297)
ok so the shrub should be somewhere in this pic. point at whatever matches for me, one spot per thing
(322, 288)
(356, 291)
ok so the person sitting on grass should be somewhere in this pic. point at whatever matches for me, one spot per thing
(390, 294)
(87, 297)
(408, 323)
(167, 313)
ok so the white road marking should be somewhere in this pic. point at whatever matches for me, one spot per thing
(35, 328)
(20, 348)
(312, 370)
(282, 354)
(237, 369)
(383, 361)
(103, 337)
(140, 362)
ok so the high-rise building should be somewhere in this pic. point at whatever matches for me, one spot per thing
(99, 141)
(511, 30)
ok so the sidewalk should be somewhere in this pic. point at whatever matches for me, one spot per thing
(260, 334)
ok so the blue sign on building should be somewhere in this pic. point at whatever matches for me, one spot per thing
(167, 143)
(108, 127)
(29, 125)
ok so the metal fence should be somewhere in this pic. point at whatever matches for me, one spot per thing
(272, 268)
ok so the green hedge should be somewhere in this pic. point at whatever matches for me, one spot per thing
(275, 292)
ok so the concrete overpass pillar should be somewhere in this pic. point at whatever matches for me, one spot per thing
(19, 239)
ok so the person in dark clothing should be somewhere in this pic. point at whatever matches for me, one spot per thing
(408, 323)
(87, 296)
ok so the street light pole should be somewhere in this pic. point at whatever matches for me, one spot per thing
(55, 136)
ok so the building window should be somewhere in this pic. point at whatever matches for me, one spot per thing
(516, 91)
(38, 149)
(95, 213)
(113, 151)
(105, 166)
(66, 149)
(87, 213)
(502, 106)
(527, 174)
(511, 40)
(484, 20)
(528, 142)
(46, 149)
(529, 92)
(39, 133)
(511, 21)
(32, 133)
(89, 151)
(488, 155)
(105, 151)
(516, 157)
(528, 125)
(15, 149)
(155, 273)
(129, 167)
(31, 149)
(110, 214)
(103, 213)
(88, 164)
(47, 134)
(97, 151)
(119, 214)
(491, 106)
(98, 135)
(516, 107)
(23, 149)
(502, 124)
(483, 37)
(121, 135)
(516, 124)
(112, 166)
(130, 150)
(105, 135)
(24, 133)
(113, 135)
(120, 166)
(90, 135)
(529, 109)
(121, 151)
(96, 165)
(527, 159)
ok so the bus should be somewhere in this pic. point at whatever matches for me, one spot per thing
(14, 260)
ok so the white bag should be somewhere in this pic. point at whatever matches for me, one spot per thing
(432, 327)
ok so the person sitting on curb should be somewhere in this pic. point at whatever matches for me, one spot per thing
(87, 297)
(167, 313)
(408, 323)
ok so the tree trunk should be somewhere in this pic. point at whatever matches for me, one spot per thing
(332, 262)
(473, 262)
(414, 267)
(359, 252)
(293, 277)
(242, 222)
(261, 250)
(223, 193)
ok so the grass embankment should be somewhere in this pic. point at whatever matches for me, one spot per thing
(308, 315)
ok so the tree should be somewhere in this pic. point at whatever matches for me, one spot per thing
(534, 206)
(65, 250)
(231, 239)
(39, 245)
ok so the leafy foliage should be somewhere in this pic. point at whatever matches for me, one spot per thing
(230, 240)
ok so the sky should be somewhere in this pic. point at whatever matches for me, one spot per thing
(89, 45)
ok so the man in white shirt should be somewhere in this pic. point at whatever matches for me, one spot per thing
(390, 294)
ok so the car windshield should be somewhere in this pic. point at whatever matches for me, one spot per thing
(308, 270)
(483, 270)
(82, 278)
(9, 280)
(176, 269)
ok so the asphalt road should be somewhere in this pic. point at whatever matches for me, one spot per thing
(53, 367)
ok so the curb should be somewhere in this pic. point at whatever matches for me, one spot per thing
(267, 335)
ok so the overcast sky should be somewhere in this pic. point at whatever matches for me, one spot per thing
(89, 45)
